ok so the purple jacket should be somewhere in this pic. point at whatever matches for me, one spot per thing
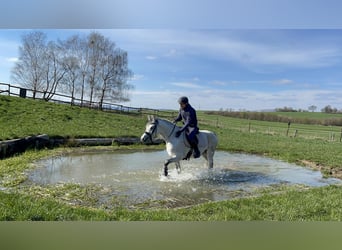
(189, 117)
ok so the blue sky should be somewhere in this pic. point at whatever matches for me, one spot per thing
(250, 69)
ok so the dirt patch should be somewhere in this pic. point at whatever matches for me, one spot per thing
(325, 170)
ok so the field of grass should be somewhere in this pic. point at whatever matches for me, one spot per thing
(329, 133)
(21, 117)
(308, 115)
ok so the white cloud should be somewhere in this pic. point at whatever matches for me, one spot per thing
(188, 85)
(282, 82)
(172, 53)
(151, 57)
(218, 83)
(236, 46)
(12, 59)
(137, 77)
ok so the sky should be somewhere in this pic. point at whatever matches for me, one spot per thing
(237, 69)
(233, 54)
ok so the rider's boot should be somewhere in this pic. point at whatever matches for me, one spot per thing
(196, 153)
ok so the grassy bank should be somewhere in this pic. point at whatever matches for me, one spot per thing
(21, 117)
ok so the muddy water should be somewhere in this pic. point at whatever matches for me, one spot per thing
(135, 178)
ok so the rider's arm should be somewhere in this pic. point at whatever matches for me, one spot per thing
(178, 118)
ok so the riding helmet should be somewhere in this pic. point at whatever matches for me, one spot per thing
(183, 99)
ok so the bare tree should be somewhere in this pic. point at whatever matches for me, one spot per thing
(113, 72)
(54, 69)
(29, 69)
(73, 62)
(80, 65)
(117, 87)
(78, 48)
(95, 44)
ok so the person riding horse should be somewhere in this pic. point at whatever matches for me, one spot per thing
(188, 114)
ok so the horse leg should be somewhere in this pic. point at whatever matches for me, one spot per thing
(166, 171)
(210, 158)
(178, 167)
(168, 161)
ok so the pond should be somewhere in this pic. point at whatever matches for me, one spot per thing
(135, 178)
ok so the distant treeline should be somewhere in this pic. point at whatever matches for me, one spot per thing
(273, 117)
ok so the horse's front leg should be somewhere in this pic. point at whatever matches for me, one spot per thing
(166, 171)
(168, 161)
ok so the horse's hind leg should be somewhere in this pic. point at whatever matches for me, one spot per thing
(210, 158)
(178, 167)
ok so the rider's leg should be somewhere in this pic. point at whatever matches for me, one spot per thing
(193, 142)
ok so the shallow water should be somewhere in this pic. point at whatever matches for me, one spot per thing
(137, 177)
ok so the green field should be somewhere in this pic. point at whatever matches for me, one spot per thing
(329, 133)
(23, 117)
(20, 117)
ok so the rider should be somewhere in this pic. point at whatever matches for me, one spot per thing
(188, 114)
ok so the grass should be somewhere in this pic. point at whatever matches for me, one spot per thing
(319, 204)
(20, 117)
(23, 117)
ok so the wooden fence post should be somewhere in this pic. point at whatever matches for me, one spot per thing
(341, 135)
(288, 128)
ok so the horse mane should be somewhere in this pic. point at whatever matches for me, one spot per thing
(162, 119)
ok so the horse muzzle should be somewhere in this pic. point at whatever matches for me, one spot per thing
(146, 138)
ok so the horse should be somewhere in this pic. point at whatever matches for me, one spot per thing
(179, 148)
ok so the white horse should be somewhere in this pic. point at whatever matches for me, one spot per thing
(178, 148)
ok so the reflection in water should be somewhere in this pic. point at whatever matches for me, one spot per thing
(137, 177)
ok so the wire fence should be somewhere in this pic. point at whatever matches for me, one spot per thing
(327, 133)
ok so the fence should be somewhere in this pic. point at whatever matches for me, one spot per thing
(11, 90)
(327, 133)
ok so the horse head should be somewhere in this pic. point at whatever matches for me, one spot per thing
(150, 130)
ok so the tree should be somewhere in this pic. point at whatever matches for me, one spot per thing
(114, 74)
(95, 44)
(80, 65)
(29, 69)
(75, 65)
(54, 69)
(329, 109)
(312, 108)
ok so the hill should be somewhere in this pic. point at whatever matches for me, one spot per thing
(23, 117)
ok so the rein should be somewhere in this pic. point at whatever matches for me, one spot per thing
(173, 129)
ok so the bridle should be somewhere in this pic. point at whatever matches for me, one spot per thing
(154, 129)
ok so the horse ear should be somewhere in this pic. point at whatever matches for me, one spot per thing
(153, 119)
(149, 119)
